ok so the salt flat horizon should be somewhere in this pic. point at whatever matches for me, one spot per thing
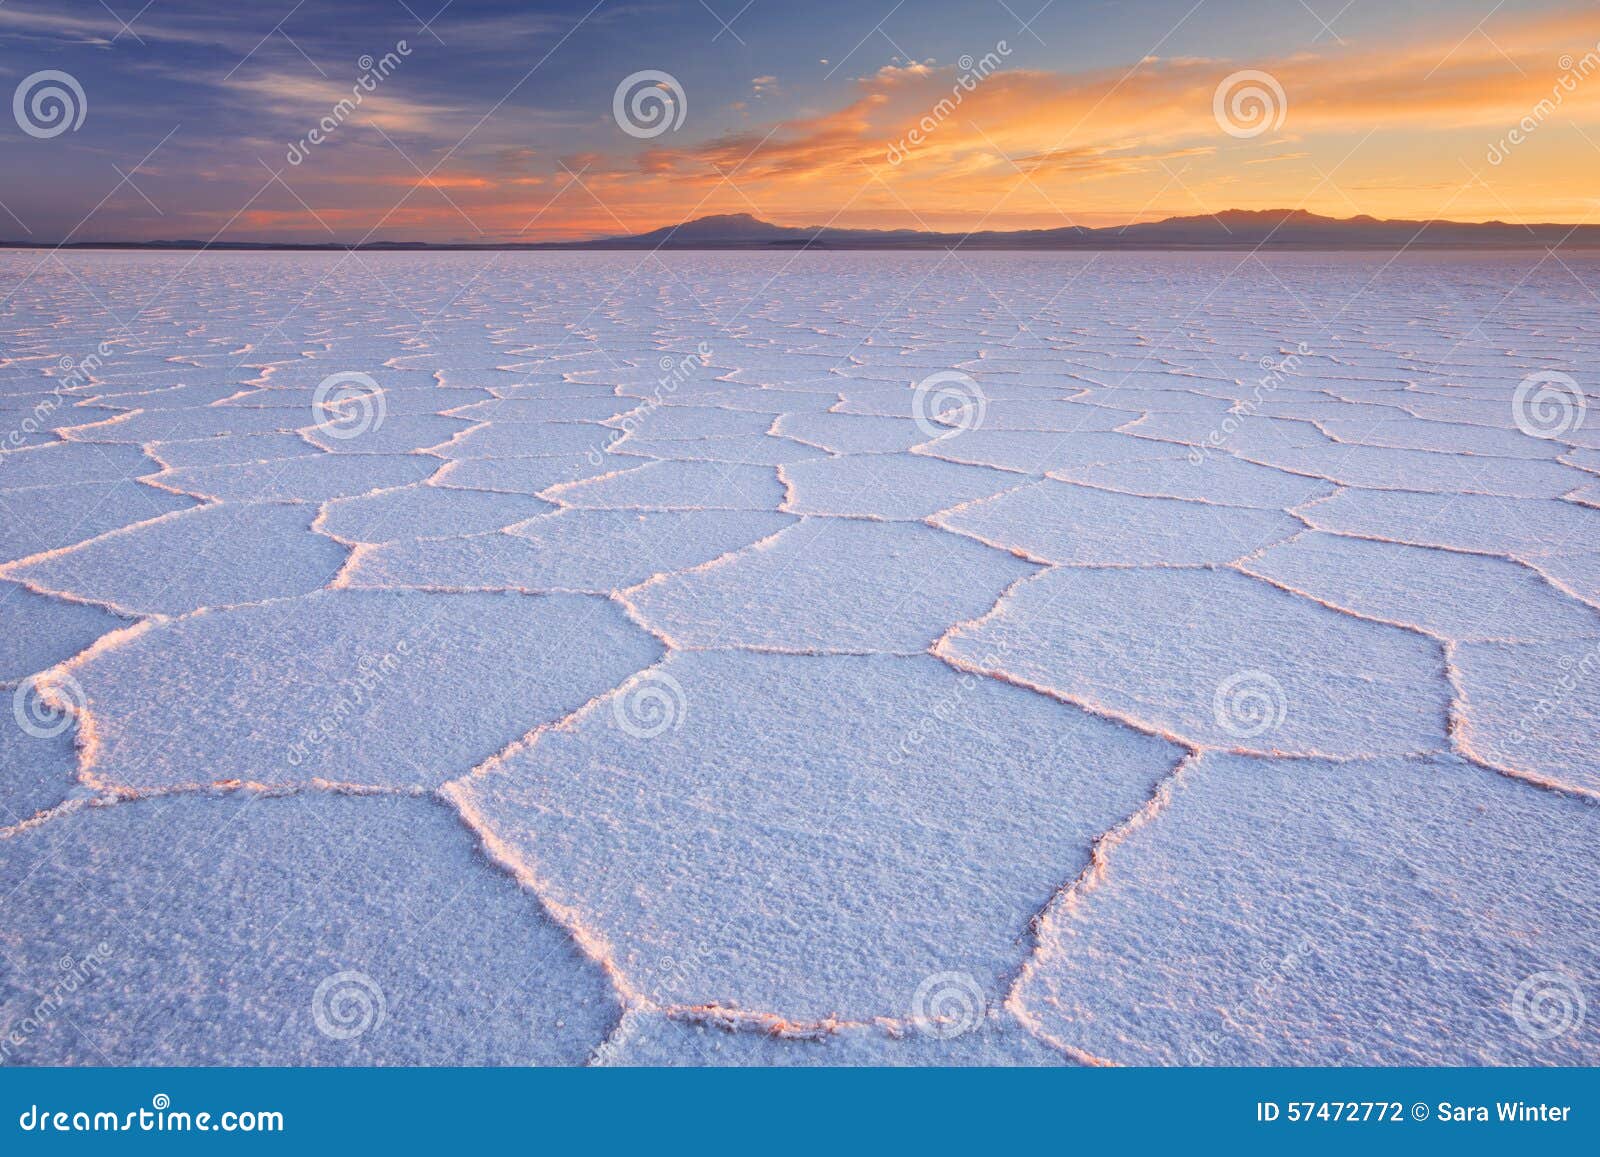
(838, 658)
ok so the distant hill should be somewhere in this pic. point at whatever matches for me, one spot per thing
(742, 231)
(1231, 229)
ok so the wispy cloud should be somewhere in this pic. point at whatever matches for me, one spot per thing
(97, 26)
(295, 99)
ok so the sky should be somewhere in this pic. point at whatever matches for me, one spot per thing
(483, 121)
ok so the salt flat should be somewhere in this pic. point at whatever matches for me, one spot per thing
(808, 658)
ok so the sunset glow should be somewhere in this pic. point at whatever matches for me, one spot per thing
(473, 128)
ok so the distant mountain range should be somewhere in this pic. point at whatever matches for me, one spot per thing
(1231, 229)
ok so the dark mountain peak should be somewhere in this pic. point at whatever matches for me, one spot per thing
(725, 228)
